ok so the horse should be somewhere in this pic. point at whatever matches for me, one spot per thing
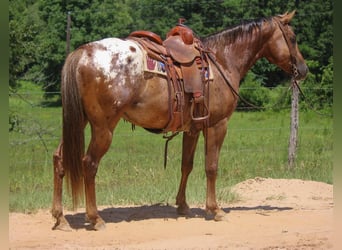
(103, 82)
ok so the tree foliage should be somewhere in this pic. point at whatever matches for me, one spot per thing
(24, 27)
(38, 32)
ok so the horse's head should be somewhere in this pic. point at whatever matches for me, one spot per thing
(282, 48)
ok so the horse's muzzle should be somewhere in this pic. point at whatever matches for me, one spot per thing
(301, 71)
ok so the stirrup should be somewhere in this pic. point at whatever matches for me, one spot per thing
(199, 100)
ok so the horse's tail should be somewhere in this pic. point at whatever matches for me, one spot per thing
(73, 128)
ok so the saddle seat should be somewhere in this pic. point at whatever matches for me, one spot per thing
(180, 42)
(180, 51)
(180, 45)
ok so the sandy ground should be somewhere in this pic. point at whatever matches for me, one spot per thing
(271, 214)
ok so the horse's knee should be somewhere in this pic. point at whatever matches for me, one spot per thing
(211, 171)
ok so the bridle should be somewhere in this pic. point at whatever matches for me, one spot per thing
(290, 45)
(291, 48)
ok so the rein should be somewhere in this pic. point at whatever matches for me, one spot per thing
(212, 59)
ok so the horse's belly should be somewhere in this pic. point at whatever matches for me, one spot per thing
(148, 115)
(150, 108)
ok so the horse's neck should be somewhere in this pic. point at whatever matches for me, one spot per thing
(238, 56)
(245, 55)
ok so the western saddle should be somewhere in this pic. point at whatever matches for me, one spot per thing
(187, 71)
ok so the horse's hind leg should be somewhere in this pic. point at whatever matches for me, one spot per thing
(57, 208)
(188, 152)
(101, 139)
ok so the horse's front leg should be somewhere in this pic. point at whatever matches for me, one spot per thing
(214, 139)
(57, 208)
(188, 152)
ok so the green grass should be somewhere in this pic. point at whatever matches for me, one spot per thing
(132, 170)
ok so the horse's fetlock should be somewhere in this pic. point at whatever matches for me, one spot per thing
(56, 213)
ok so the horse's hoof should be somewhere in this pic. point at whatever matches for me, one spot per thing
(183, 210)
(216, 215)
(100, 225)
(64, 226)
(220, 215)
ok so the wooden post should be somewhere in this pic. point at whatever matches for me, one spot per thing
(68, 33)
(294, 125)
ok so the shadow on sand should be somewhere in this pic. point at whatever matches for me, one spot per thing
(156, 211)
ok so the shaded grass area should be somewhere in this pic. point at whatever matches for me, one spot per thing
(132, 170)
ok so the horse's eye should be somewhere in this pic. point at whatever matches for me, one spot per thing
(293, 40)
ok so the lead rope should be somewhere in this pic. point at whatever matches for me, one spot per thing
(295, 84)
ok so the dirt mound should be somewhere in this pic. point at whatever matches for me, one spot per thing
(270, 214)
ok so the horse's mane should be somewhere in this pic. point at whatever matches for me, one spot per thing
(242, 30)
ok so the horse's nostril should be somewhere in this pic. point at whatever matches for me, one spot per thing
(302, 71)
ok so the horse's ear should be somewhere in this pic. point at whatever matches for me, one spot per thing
(287, 17)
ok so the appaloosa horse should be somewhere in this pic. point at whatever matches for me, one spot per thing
(103, 81)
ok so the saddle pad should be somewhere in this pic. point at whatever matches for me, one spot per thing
(209, 73)
(153, 66)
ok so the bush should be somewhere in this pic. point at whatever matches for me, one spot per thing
(253, 93)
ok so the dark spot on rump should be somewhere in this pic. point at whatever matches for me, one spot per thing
(114, 59)
(129, 60)
(89, 48)
(101, 46)
(132, 49)
(113, 62)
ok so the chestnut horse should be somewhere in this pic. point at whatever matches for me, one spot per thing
(103, 81)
